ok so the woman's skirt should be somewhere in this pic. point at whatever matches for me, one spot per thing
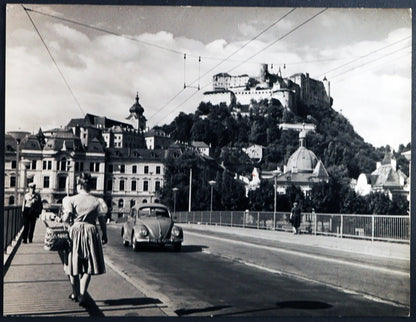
(86, 255)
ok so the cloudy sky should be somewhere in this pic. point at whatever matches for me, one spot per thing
(112, 52)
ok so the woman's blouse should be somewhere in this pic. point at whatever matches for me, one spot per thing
(83, 207)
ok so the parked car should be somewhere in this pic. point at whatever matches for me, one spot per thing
(151, 224)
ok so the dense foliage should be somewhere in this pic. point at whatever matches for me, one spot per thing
(228, 129)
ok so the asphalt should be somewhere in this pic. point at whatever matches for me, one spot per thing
(35, 284)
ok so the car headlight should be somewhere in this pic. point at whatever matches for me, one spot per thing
(143, 231)
(175, 231)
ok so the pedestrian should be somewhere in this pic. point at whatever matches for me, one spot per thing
(31, 208)
(85, 258)
(295, 215)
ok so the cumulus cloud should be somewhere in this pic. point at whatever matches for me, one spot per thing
(105, 71)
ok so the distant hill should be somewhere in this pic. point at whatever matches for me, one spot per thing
(228, 129)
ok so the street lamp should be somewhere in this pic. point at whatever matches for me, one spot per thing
(174, 198)
(25, 163)
(275, 174)
(18, 136)
(211, 183)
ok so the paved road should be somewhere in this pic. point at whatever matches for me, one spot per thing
(223, 275)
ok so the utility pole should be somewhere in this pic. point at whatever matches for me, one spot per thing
(190, 189)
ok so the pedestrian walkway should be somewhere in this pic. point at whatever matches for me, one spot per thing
(359, 246)
(35, 285)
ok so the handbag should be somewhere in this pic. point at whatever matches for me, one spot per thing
(57, 238)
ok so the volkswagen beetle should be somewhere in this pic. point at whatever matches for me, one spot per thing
(151, 224)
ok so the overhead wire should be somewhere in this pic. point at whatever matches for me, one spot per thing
(346, 73)
(263, 49)
(361, 57)
(223, 60)
(108, 32)
(54, 61)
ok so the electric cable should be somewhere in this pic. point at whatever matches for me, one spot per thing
(54, 61)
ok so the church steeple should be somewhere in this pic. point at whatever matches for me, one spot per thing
(136, 112)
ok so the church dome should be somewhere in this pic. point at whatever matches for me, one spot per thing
(302, 160)
(136, 107)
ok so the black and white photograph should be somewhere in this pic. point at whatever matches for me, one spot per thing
(207, 161)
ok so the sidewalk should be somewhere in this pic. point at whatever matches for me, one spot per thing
(35, 285)
(359, 246)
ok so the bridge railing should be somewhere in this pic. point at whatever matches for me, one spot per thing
(371, 227)
(13, 223)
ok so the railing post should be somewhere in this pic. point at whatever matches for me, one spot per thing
(258, 220)
(220, 218)
(201, 218)
(316, 223)
(342, 223)
(231, 223)
(372, 228)
(274, 220)
(244, 219)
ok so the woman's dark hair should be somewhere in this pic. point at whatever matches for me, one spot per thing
(84, 180)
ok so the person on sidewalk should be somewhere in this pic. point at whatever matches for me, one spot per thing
(31, 209)
(85, 258)
(295, 215)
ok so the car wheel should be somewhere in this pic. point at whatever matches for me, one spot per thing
(177, 247)
(134, 243)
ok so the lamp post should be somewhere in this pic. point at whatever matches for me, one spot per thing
(175, 190)
(275, 174)
(211, 183)
(25, 163)
(18, 136)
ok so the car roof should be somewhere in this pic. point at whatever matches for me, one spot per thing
(145, 205)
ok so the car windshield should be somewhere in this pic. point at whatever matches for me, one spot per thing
(153, 212)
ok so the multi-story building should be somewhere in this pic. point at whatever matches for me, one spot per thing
(133, 176)
(386, 178)
(298, 88)
(124, 172)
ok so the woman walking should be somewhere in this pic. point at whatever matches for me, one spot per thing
(85, 258)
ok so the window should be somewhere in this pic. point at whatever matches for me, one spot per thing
(97, 167)
(62, 165)
(122, 168)
(157, 185)
(120, 203)
(158, 169)
(12, 181)
(14, 164)
(134, 169)
(146, 169)
(145, 185)
(91, 166)
(44, 165)
(46, 181)
(61, 183)
(133, 185)
(49, 165)
(33, 164)
(93, 183)
(110, 184)
(110, 168)
(132, 203)
(11, 200)
(121, 186)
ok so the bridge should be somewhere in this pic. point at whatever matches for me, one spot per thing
(322, 272)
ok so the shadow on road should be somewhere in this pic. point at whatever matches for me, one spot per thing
(303, 305)
(182, 312)
(184, 249)
(298, 305)
(132, 301)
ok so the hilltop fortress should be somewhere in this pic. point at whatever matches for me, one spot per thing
(242, 89)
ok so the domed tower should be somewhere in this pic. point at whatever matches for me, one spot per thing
(136, 112)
